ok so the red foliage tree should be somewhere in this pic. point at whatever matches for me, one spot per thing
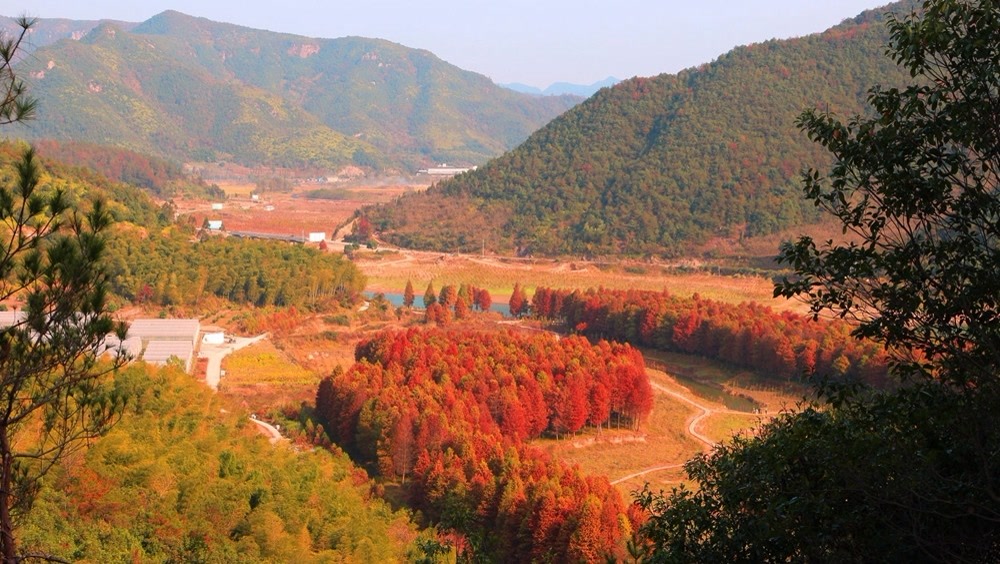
(408, 295)
(516, 303)
(483, 299)
(777, 345)
(465, 402)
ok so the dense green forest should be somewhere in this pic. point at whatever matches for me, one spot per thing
(185, 477)
(154, 261)
(167, 268)
(654, 164)
(190, 88)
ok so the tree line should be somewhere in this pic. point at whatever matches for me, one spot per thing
(781, 345)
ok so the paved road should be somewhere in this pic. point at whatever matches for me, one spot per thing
(274, 435)
(215, 354)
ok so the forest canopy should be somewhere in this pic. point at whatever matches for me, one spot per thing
(653, 165)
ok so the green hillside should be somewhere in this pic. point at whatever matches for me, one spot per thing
(185, 477)
(655, 164)
(190, 88)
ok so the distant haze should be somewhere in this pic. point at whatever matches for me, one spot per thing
(518, 41)
(560, 88)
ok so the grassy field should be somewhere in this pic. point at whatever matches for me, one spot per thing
(263, 364)
(722, 426)
(769, 396)
(390, 274)
(237, 188)
(662, 440)
(263, 377)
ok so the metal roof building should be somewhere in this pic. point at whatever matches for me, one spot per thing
(132, 346)
(165, 330)
(159, 352)
(12, 317)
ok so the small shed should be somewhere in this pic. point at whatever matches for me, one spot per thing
(213, 337)
(215, 225)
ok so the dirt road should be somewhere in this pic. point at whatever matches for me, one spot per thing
(215, 354)
(692, 429)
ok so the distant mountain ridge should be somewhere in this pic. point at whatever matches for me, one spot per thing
(193, 89)
(49, 30)
(561, 88)
(654, 166)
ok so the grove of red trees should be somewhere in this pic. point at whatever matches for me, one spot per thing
(449, 414)
(749, 335)
(454, 303)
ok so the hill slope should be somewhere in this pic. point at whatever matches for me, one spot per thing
(192, 88)
(654, 164)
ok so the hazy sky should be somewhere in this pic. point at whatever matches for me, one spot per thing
(535, 42)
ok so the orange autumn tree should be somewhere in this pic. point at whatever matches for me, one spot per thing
(452, 412)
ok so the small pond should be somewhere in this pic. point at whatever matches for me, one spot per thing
(396, 299)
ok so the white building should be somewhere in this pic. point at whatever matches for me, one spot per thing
(160, 353)
(317, 236)
(213, 337)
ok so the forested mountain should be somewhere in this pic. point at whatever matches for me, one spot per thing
(192, 88)
(49, 30)
(654, 164)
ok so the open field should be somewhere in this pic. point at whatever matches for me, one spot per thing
(769, 396)
(662, 440)
(264, 364)
(236, 188)
(287, 213)
(497, 274)
(263, 377)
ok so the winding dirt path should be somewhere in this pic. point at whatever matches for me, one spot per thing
(692, 429)
(693, 422)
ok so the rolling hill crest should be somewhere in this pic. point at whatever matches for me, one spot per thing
(655, 165)
(191, 88)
